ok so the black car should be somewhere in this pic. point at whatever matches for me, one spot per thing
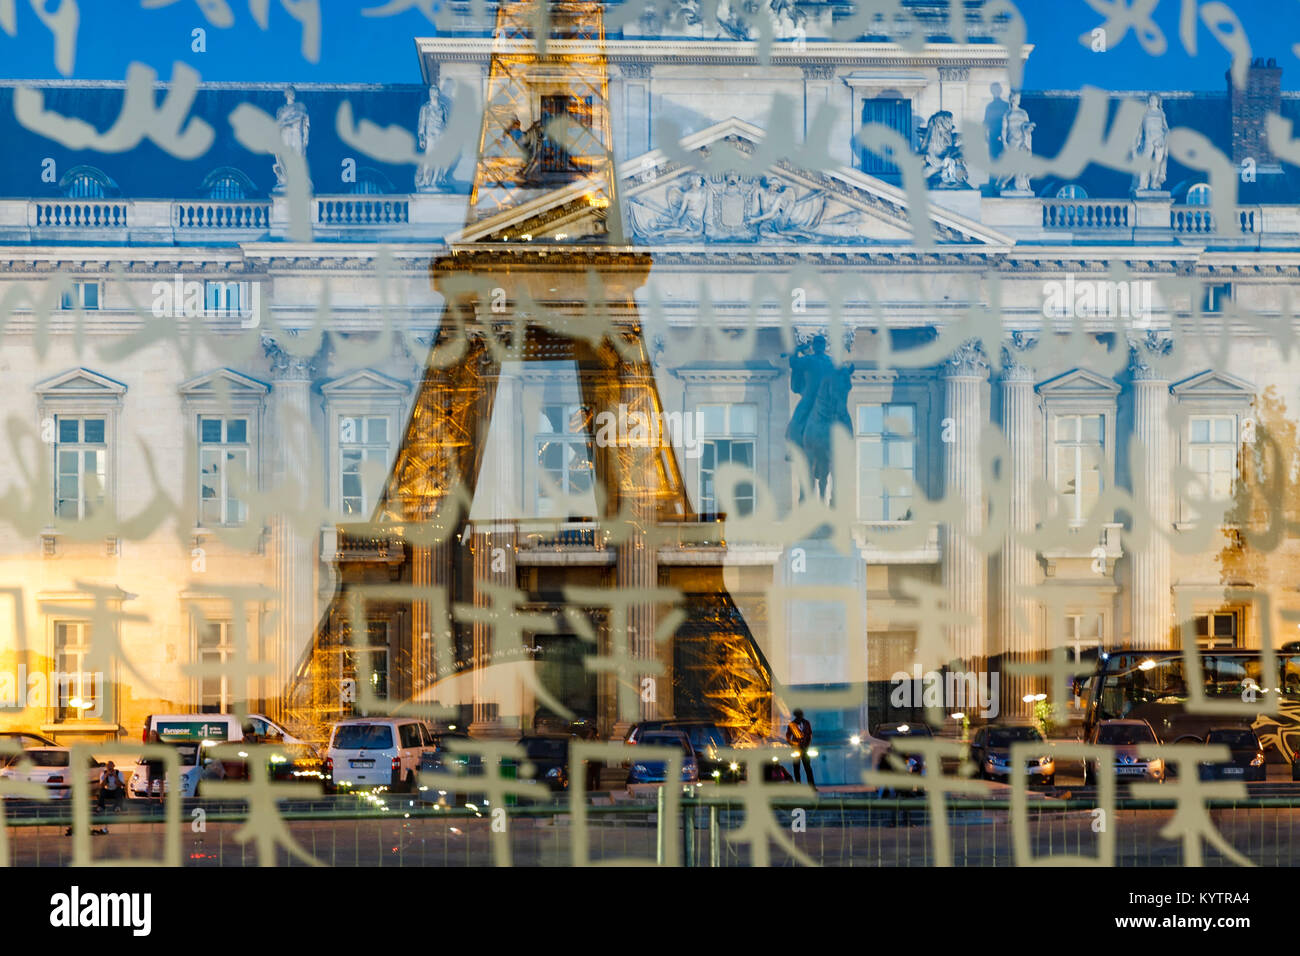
(897, 735)
(549, 755)
(990, 751)
(1247, 756)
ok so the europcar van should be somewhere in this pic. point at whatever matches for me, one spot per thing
(194, 735)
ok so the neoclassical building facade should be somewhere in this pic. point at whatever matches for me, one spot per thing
(1058, 397)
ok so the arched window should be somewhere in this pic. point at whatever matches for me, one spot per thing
(371, 182)
(226, 182)
(86, 182)
(1200, 195)
(1072, 191)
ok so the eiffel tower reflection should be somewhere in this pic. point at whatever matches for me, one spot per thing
(540, 275)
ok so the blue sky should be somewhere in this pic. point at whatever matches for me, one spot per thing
(355, 48)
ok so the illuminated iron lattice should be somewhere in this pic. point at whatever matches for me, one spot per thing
(555, 313)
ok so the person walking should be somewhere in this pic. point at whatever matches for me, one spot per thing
(798, 734)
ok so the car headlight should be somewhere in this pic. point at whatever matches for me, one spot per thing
(638, 768)
(998, 759)
(553, 773)
(913, 763)
(1156, 766)
(1258, 760)
(1044, 761)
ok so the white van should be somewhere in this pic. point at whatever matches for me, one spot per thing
(193, 735)
(366, 752)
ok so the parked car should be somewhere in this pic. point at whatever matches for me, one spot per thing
(149, 778)
(51, 767)
(896, 736)
(707, 740)
(549, 755)
(652, 770)
(370, 752)
(24, 739)
(1125, 737)
(990, 751)
(1247, 756)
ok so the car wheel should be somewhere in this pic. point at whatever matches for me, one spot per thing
(412, 783)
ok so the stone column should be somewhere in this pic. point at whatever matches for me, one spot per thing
(1149, 559)
(296, 452)
(493, 542)
(964, 565)
(1019, 635)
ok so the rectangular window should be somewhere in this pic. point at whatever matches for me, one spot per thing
(564, 453)
(1083, 632)
(729, 436)
(81, 466)
(896, 114)
(1212, 454)
(1217, 630)
(886, 439)
(1079, 445)
(1214, 296)
(214, 650)
(224, 298)
(223, 451)
(82, 295)
(363, 459)
(78, 691)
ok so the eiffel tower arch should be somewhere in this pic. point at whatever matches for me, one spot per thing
(444, 549)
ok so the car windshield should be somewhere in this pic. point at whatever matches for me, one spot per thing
(704, 737)
(1125, 734)
(1236, 739)
(1006, 736)
(363, 737)
(542, 749)
(666, 740)
(49, 758)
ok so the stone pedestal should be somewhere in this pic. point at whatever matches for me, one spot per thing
(818, 635)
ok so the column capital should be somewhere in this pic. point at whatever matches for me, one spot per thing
(287, 366)
(1148, 355)
(968, 361)
(1014, 367)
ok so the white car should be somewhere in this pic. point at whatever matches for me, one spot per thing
(365, 753)
(51, 767)
(149, 782)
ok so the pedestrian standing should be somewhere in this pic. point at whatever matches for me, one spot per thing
(798, 734)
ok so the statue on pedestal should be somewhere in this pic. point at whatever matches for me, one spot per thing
(945, 168)
(431, 177)
(823, 390)
(1016, 138)
(1152, 147)
(295, 128)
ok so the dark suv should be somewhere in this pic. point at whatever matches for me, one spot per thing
(706, 738)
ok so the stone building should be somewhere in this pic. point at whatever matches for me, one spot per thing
(1052, 398)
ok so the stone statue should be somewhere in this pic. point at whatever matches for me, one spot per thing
(1152, 147)
(295, 127)
(944, 166)
(530, 142)
(823, 390)
(432, 177)
(1017, 138)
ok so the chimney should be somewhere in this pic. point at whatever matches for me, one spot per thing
(1250, 109)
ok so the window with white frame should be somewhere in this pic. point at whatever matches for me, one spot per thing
(886, 439)
(224, 456)
(1083, 632)
(363, 457)
(213, 652)
(77, 691)
(81, 465)
(565, 459)
(81, 295)
(225, 298)
(1212, 455)
(728, 436)
(1078, 443)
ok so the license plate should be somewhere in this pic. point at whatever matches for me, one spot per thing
(1130, 770)
(362, 764)
(1232, 770)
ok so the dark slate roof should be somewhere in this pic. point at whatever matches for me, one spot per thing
(1209, 114)
(148, 172)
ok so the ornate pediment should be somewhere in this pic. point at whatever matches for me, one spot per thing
(80, 383)
(223, 381)
(1213, 385)
(668, 203)
(1079, 383)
